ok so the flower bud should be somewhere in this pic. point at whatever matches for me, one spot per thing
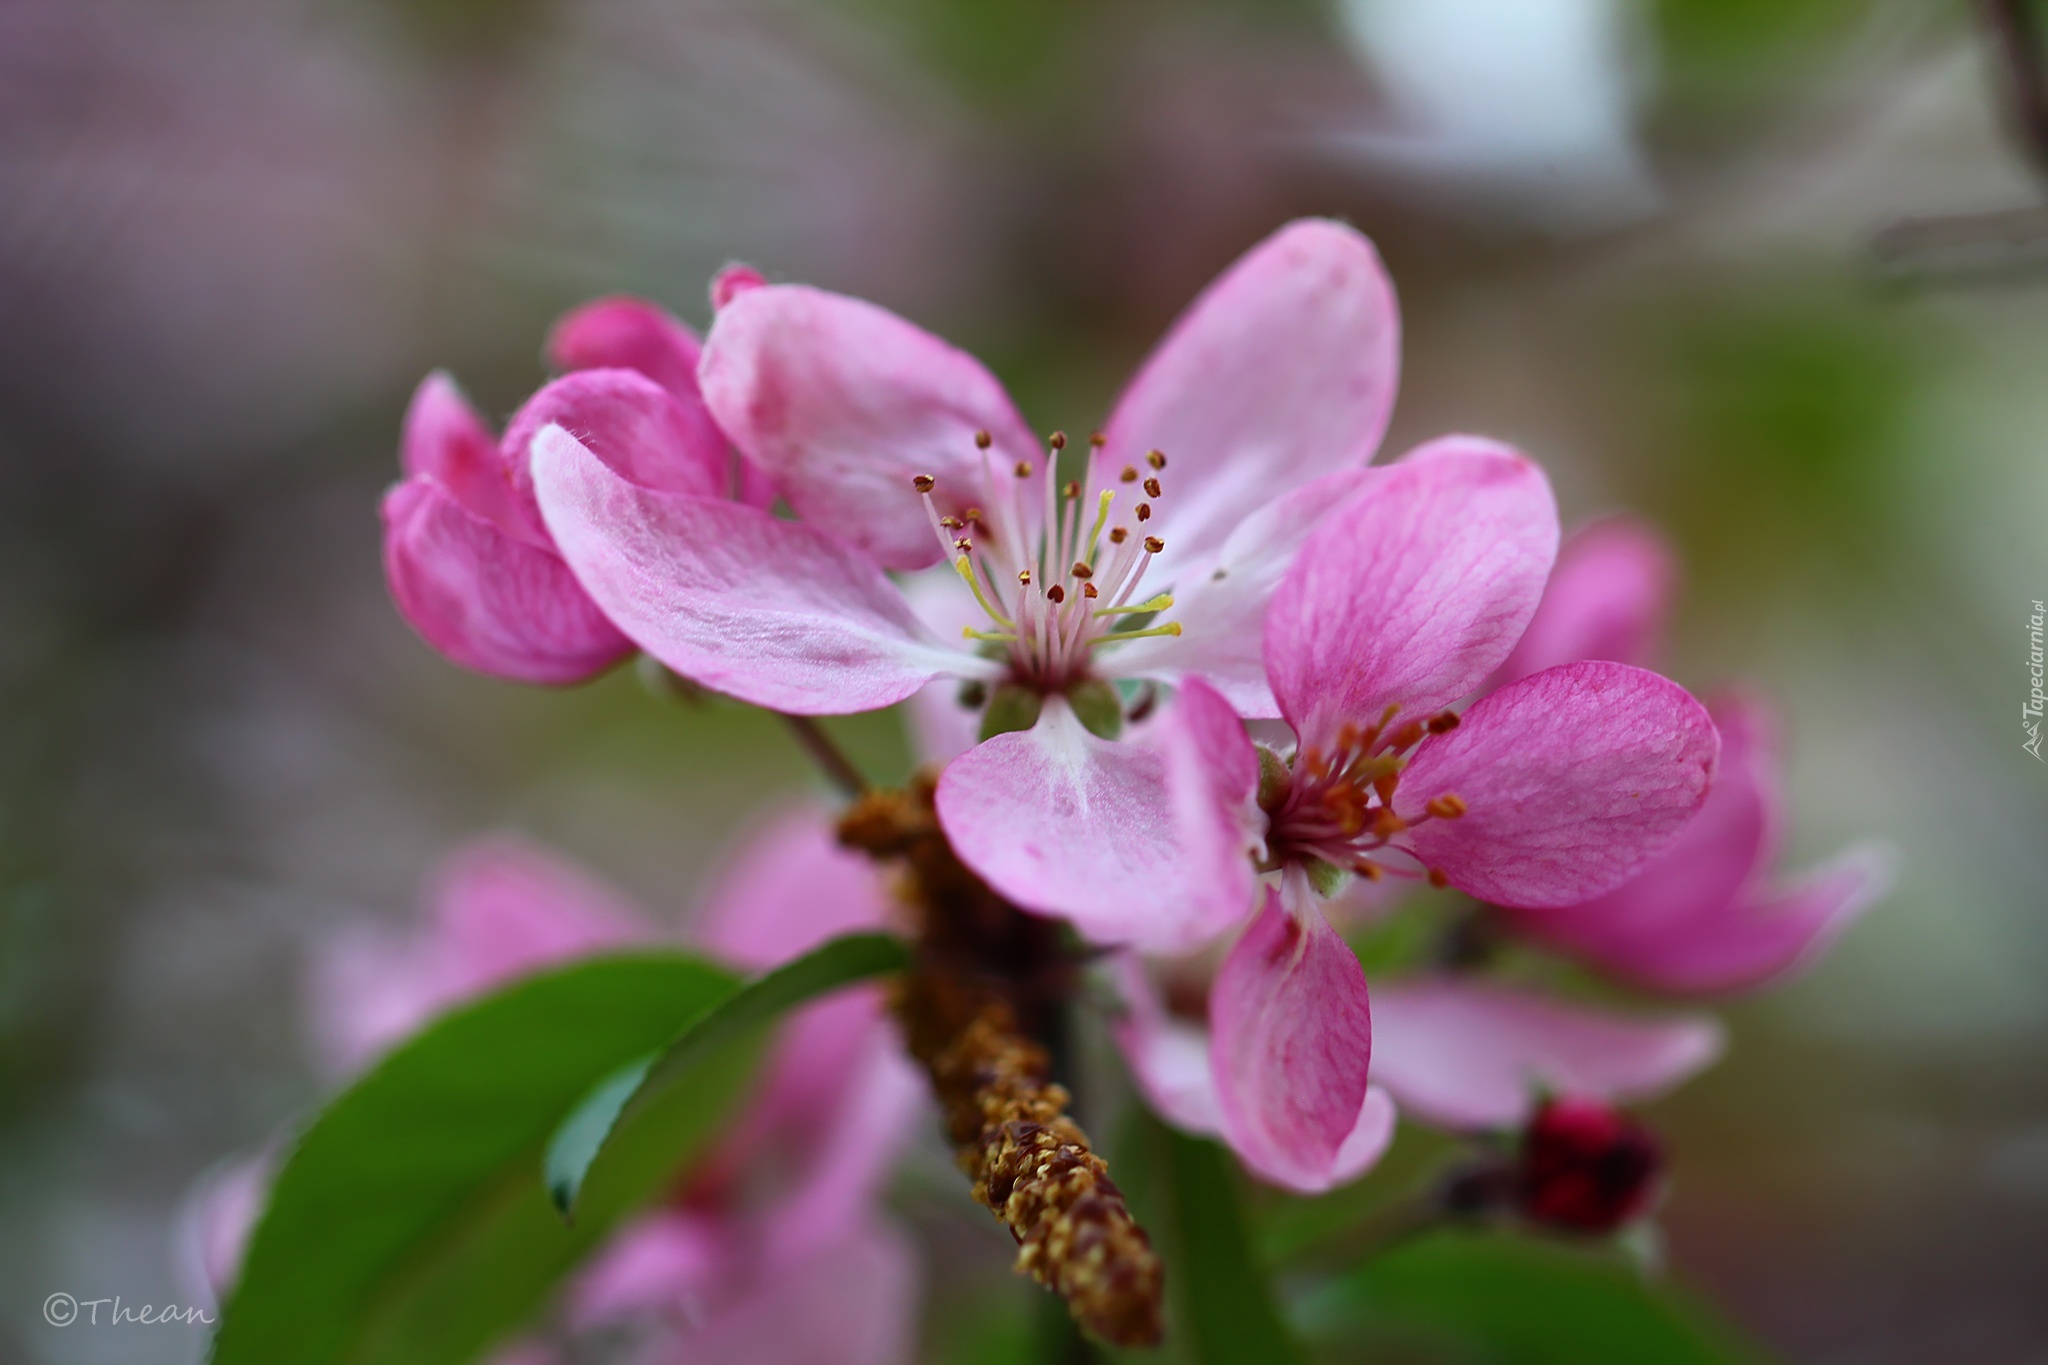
(1586, 1166)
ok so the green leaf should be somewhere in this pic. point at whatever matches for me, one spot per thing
(409, 1225)
(1219, 1299)
(586, 1138)
(1510, 1300)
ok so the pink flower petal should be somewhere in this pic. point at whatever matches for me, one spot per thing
(445, 441)
(773, 612)
(1281, 371)
(844, 403)
(851, 1302)
(487, 601)
(639, 429)
(1572, 779)
(790, 887)
(1696, 882)
(1169, 1058)
(1607, 599)
(214, 1222)
(625, 333)
(1221, 600)
(503, 908)
(1761, 938)
(1469, 1054)
(1291, 1041)
(663, 1263)
(1414, 590)
(1067, 824)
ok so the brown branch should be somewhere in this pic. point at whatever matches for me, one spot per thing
(826, 753)
(981, 964)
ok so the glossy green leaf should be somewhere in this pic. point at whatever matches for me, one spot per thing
(409, 1225)
(587, 1136)
(1507, 1300)
(1220, 1303)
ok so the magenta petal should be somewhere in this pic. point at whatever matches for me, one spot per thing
(658, 1264)
(487, 601)
(1470, 1054)
(789, 888)
(503, 908)
(625, 333)
(444, 441)
(773, 612)
(1763, 937)
(1221, 600)
(1572, 779)
(1607, 599)
(1281, 371)
(1290, 1041)
(638, 428)
(1414, 590)
(844, 403)
(1067, 824)
(1695, 883)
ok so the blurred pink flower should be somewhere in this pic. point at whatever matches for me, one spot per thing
(469, 560)
(774, 1249)
(1403, 600)
(899, 452)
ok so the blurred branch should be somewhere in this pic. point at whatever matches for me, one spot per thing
(2016, 29)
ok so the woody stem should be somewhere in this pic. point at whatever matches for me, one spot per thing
(826, 753)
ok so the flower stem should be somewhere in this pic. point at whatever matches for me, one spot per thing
(826, 753)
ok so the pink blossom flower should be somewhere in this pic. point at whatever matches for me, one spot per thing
(469, 560)
(774, 1250)
(1699, 917)
(898, 452)
(1542, 793)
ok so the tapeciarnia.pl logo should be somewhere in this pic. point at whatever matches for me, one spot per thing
(2030, 714)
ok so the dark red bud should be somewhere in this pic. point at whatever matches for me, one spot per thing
(1587, 1167)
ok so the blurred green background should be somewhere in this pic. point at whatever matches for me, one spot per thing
(1634, 238)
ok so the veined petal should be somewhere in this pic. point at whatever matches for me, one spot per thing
(1696, 883)
(1607, 599)
(1414, 590)
(1572, 779)
(1212, 789)
(1291, 1041)
(445, 441)
(641, 431)
(1070, 825)
(776, 613)
(843, 403)
(1761, 938)
(1281, 371)
(486, 600)
(1221, 600)
(1470, 1054)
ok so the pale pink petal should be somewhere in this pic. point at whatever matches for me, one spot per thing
(214, 1223)
(503, 908)
(1761, 938)
(1281, 371)
(1212, 788)
(487, 601)
(773, 612)
(1572, 779)
(640, 430)
(664, 1263)
(624, 333)
(1291, 1041)
(788, 889)
(1168, 1057)
(1607, 599)
(1469, 1054)
(844, 403)
(1414, 590)
(445, 441)
(368, 987)
(1067, 824)
(852, 1302)
(941, 729)
(1220, 600)
(1707, 869)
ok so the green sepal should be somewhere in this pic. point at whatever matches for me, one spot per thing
(1010, 708)
(1098, 707)
(1327, 878)
(1274, 779)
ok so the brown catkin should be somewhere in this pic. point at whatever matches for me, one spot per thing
(1031, 1165)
